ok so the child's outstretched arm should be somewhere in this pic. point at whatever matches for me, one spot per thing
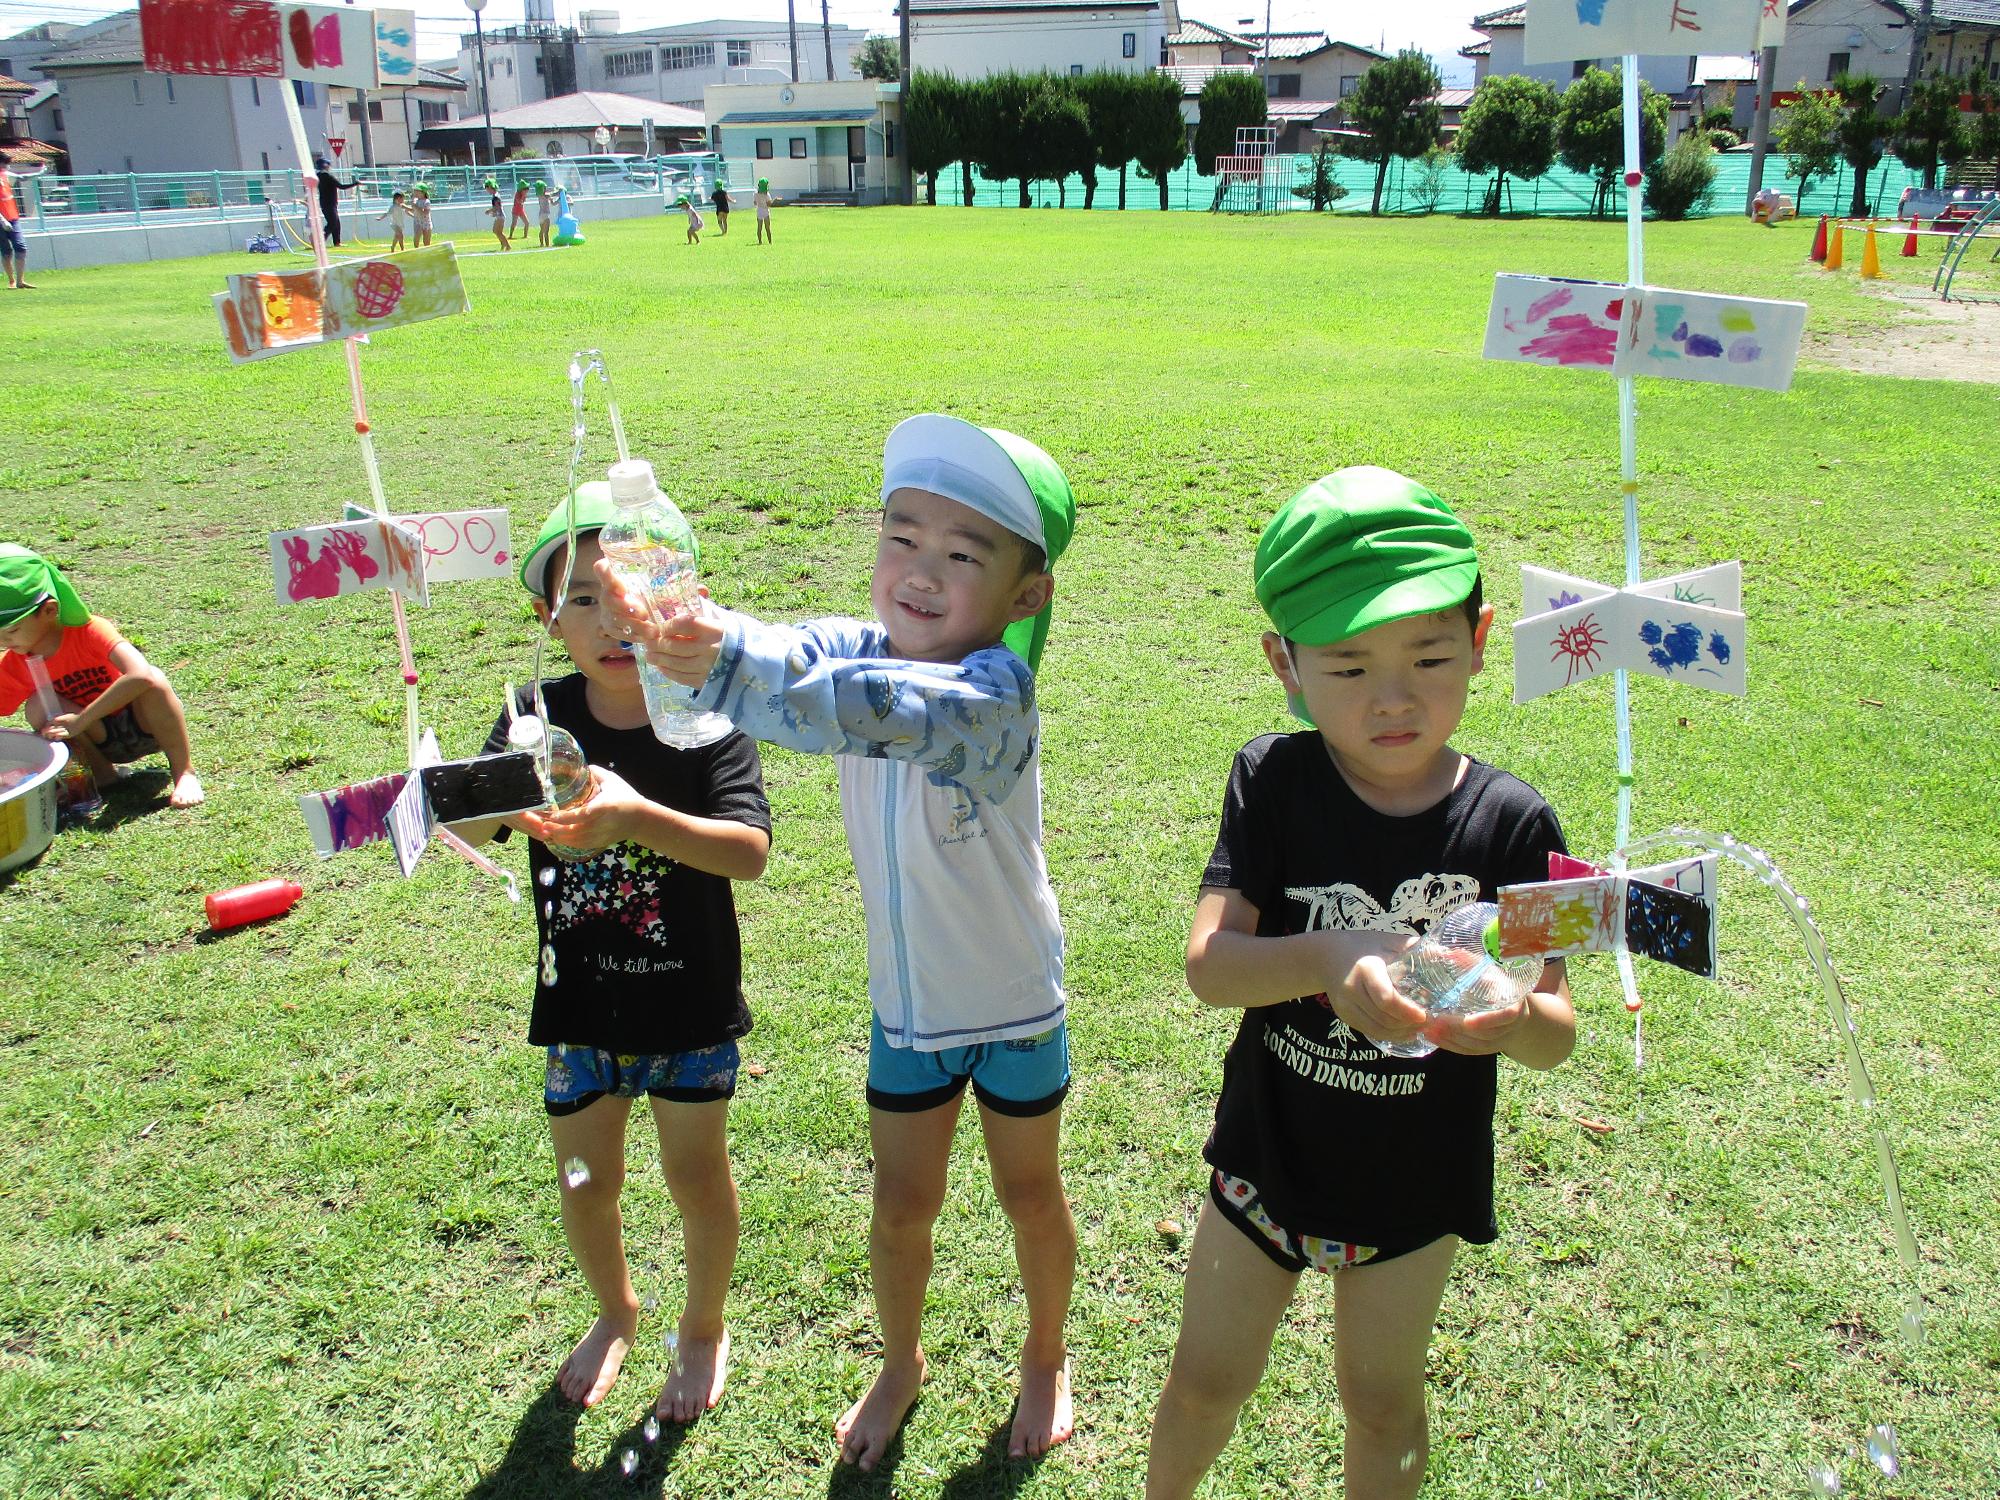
(614, 813)
(1230, 965)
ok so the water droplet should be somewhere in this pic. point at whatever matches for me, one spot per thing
(652, 1429)
(548, 910)
(1882, 1450)
(547, 877)
(1408, 1460)
(671, 1342)
(548, 964)
(652, 1302)
(1911, 1324)
(576, 1172)
(1822, 1479)
(628, 1461)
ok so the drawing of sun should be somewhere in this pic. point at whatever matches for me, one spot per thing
(1582, 643)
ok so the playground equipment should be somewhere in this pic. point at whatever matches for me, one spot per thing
(1956, 248)
(1257, 179)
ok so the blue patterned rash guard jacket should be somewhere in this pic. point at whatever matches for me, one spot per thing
(940, 785)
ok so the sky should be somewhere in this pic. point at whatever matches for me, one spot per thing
(1439, 27)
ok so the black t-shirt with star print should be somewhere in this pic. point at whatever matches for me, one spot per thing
(1340, 1139)
(639, 953)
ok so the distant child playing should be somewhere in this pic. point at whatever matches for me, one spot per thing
(420, 216)
(545, 208)
(82, 682)
(498, 215)
(639, 983)
(394, 214)
(720, 198)
(932, 712)
(762, 202)
(1338, 845)
(520, 209)
(693, 220)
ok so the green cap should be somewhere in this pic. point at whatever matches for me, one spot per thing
(763, 184)
(1357, 549)
(491, 185)
(594, 510)
(26, 579)
(1004, 477)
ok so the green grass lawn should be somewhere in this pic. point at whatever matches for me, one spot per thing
(281, 1214)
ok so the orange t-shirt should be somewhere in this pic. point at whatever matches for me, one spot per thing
(9, 210)
(79, 671)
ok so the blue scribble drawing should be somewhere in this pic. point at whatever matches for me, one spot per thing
(1718, 647)
(1669, 327)
(1670, 926)
(398, 39)
(1565, 599)
(1590, 12)
(1684, 593)
(1702, 346)
(1745, 351)
(1672, 647)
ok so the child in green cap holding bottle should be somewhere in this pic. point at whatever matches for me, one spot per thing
(931, 711)
(1340, 844)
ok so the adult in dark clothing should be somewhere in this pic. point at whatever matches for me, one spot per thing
(330, 189)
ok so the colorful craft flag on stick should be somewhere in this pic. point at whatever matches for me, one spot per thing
(324, 562)
(1686, 628)
(273, 312)
(460, 546)
(1663, 912)
(349, 816)
(1644, 330)
(335, 45)
(1569, 30)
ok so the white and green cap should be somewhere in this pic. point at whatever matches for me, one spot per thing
(1001, 475)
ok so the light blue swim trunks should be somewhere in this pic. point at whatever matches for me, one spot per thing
(1025, 1077)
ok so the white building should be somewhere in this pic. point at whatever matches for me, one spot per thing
(837, 140)
(568, 126)
(672, 64)
(973, 38)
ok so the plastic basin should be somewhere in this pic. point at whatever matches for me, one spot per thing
(28, 808)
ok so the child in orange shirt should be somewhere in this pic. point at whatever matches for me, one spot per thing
(81, 681)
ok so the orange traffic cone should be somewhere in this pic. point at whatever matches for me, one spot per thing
(1818, 251)
(1910, 240)
(1833, 249)
(1871, 261)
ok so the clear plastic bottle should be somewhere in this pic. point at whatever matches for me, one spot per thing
(649, 543)
(77, 790)
(1457, 969)
(563, 768)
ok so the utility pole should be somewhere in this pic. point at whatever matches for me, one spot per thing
(1918, 42)
(909, 194)
(367, 142)
(791, 25)
(1760, 129)
(826, 31)
(485, 104)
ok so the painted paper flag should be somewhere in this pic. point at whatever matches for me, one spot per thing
(1668, 914)
(324, 562)
(336, 45)
(1646, 330)
(1686, 628)
(1567, 30)
(273, 312)
(460, 546)
(349, 816)
(409, 825)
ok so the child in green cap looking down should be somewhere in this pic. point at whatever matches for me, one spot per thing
(82, 682)
(638, 988)
(1339, 845)
(931, 709)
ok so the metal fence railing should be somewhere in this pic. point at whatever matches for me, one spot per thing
(125, 199)
(1557, 193)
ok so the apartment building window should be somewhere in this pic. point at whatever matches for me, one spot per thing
(354, 109)
(739, 55)
(55, 118)
(432, 111)
(137, 97)
(1076, 70)
(764, 151)
(1349, 82)
(1582, 66)
(798, 148)
(375, 110)
(628, 64)
(255, 98)
(1131, 44)
(1284, 86)
(1836, 64)
(170, 88)
(693, 55)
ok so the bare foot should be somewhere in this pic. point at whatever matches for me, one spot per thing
(871, 1424)
(595, 1361)
(187, 791)
(701, 1366)
(1043, 1416)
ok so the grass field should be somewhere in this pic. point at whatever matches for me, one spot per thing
(282, 1214)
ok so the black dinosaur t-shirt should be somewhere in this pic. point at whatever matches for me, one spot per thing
(639, 953)
(1340, 1139)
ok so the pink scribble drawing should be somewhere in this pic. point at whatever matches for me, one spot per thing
(1541, 307)
(1683, 18)
(311, 578)
(1573, 339)
(350, 547)
(1583, 643)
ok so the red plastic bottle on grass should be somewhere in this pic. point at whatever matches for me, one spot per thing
(251, 903)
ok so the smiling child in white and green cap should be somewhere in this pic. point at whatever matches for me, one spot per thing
(931, 709)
